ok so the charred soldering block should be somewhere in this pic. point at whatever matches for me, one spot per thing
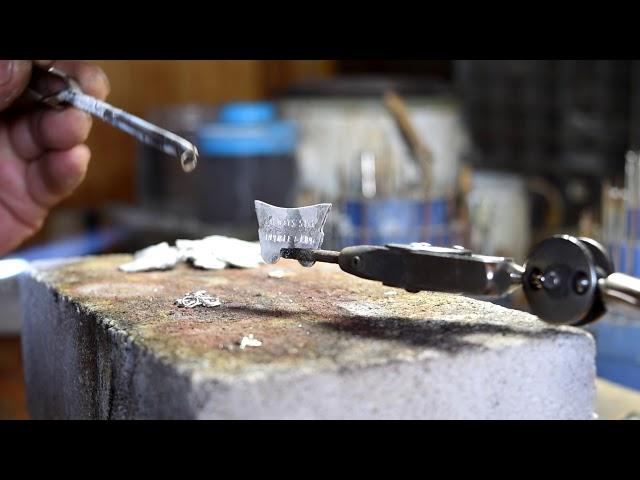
(312, 344)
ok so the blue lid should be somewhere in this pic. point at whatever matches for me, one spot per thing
(247, 112)
(275, 138)
(248, 129)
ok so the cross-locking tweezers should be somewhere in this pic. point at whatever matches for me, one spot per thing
(72, 95)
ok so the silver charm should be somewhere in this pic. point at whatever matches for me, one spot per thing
(290, 228)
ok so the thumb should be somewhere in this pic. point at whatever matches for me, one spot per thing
(14, 77)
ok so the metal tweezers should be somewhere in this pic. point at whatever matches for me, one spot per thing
(72, 95)
(566, 280)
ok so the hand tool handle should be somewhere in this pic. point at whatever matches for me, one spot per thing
(417, 148)
(621, 291)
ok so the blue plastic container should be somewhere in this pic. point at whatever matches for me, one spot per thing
(247, 154)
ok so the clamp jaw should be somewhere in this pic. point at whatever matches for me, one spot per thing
(566, 280)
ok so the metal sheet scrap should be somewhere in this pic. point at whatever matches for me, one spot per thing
(155, 257)
(210, 253)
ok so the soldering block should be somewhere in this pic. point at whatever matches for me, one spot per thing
(99, 343)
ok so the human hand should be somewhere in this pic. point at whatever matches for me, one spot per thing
(43, 157)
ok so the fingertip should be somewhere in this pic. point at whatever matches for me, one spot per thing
(56, 174)
(101, 82)
(94, 81)
(63, 129)
(77, 164)
(67, 169)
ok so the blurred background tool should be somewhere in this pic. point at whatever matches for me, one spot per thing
(421, 154)
(353, 154)
(618, 336)
(620, 218)
(568, 122)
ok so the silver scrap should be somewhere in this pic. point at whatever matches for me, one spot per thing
(237, 253)
(210, 253)
(249, 341)
(217, 252)
(290, 228)
(198, 299)
(279, 273)
(196, 252)
(208, 262)
(155, 257)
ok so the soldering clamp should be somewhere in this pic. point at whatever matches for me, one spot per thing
(566, 280)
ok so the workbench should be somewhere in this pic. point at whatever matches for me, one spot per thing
(99, 343)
